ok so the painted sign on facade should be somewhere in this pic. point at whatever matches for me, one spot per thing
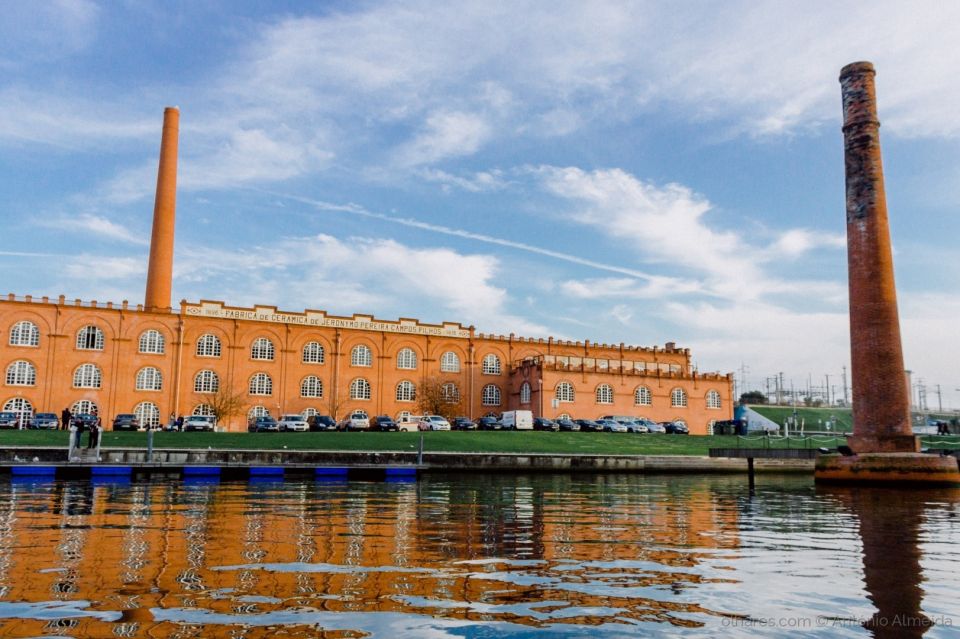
(314, 318)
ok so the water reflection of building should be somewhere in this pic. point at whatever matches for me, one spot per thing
(247, 549)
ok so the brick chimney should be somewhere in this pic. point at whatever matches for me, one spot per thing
(881, 399)
(160, 269)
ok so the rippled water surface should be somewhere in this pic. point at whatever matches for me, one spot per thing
(477, 556)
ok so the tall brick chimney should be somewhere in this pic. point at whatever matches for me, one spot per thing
(881, 399)
(160, 269)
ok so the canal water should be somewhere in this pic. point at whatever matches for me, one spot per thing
(477, 556)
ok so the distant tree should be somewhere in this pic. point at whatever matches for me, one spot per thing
(226, 403)
(434, 397)
(753, 397)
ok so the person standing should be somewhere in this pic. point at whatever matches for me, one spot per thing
(80, 427)
(94, 434)
(65, 417)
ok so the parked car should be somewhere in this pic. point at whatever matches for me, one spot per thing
(126, 421)
(294, 423)
(489, 423)
(86, 419)
(568, 425)
(383, 423)
(517, 420)
(322, 423)
(199, 422)
(408, 423)
(634, 426)
(434, 422)
(357, 420)
(611, 426)
(675, 428)
(9, 419)
(264, 424)
(44, 421)
(651, 425)
(543, 423)
(464, 423)
(588, 425)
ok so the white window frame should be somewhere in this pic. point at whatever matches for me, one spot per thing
(262, 350)
(21, 373)
(714, 400)
(153, 342)
(313, 353)
(360, 389)
(22, 407)
(85, 407)
(205, 410)
(149, 378)
(491, 365)
(24, 333)
(311, 386)
(642, 396)
(450, 393)
(490, 396)
(526, 393)
(564, 392)
(206, 381)
(150, 421)
(406, 391)
(90, 338)
(449, 362)
(407, 359)
(87, 375)
(208, 345)
(604, 394)
(361, 355)
(260, 385)
(678, 398)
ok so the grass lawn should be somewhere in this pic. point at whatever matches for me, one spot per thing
(472, 442)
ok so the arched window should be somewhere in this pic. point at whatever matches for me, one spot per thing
(359, 389)
(148, 414)
(491, 395)
(313, 353)
(261, 384)
(24, 333)
(604, 394)
(450, 362)
(564, 392)
(87, 376)
(311, 386)
(206, 382)
(713, 399)
(678, 398)
(406, 391)
(150, 379)
(403, 416)
(491, 365)
(642, 396)
(208, 346)
(449, 393)
(258, 411)
(84, 407)
(525, 393)
(361, 355)
(90, 338)
(21, 373)
(22, 407)
(152, 342)
(203, 409)
(309, 412)
(262, 349)
(406, 359)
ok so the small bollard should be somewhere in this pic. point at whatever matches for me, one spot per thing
(420, 452)
(149, 444)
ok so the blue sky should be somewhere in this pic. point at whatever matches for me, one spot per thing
(636, 172)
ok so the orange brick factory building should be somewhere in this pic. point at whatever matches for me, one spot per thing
(156, 360)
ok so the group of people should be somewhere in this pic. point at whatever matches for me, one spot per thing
(77, 425)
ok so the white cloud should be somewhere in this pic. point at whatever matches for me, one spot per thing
(445, 135)
(46, 30)
(94, 225)
(478, 182)
(90, 267)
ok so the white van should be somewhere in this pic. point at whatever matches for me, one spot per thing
(517, 420)
(408, 423)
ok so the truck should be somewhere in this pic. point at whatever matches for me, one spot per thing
(517, 420)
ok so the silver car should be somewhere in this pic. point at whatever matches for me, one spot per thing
(611, 426)
(354, 421)
(294, 423)
(434, 422)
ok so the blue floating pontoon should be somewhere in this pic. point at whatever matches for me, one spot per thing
(266, 471)
(331, 471)
(195, 471)
(111, 471)
(34, 471)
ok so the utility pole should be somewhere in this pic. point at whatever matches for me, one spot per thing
(846, 401)
(939, 400)
(780, 389)
(827, 387)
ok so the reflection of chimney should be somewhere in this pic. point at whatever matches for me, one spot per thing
(160, 270)
(881, 400)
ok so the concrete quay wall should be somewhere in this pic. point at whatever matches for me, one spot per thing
(436, 462)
